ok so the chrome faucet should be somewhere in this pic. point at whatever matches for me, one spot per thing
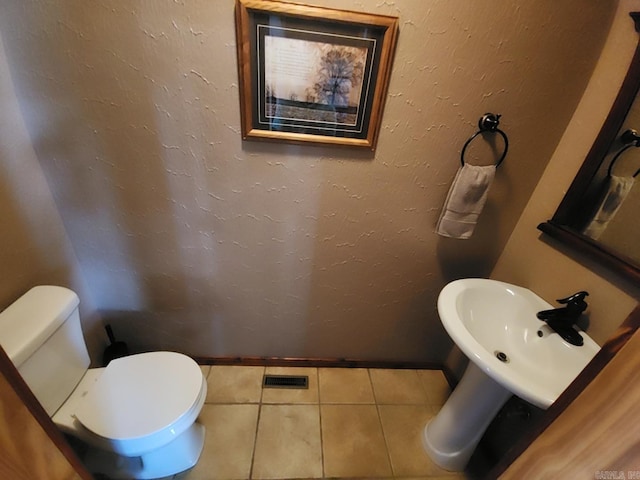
(562, 319)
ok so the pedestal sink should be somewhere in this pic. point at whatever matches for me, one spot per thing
(511, 352)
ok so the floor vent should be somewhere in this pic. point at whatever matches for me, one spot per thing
(285, 381)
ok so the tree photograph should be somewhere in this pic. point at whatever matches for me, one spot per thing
(313, 81)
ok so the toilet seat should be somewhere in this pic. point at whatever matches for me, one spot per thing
(142, 401)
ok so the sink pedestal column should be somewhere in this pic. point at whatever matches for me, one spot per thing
(451, 436)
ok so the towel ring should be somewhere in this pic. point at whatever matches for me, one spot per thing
(488, 123)
(632, 139)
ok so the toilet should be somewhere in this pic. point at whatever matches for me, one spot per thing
(135, 418)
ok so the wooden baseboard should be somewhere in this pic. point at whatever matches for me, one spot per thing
(320, 362)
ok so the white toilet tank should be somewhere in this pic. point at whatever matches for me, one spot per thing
(42, 336)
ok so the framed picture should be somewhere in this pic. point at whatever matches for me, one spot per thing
(312, 74)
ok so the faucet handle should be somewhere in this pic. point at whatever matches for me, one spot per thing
(576, 297)
(575, 302)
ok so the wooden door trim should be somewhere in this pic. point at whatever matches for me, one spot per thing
(27, 397)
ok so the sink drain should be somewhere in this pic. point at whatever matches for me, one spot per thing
(501, 356)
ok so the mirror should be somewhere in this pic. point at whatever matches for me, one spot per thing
(598, 213)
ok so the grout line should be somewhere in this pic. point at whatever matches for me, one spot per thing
(371, 387)
(255, 437)
(424, 388)
(373, 390)
(384, 434)
(255, 442)
(320, 420)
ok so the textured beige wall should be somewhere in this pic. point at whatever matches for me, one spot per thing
(533, 260)
(191, 239)
(34, 248)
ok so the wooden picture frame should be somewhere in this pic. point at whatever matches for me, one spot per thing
(312, 74)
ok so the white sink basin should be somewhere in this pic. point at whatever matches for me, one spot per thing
(484, 317)
(510, 350)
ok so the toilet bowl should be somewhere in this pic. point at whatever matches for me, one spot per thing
(132, 408)
(134, 419)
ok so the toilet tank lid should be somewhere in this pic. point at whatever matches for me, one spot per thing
(28, 322)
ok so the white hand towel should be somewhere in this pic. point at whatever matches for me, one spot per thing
(465, 201)
(617, 191)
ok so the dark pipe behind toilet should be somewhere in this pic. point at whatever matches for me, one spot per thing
(115, 349)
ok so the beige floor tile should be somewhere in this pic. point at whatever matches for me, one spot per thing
(430, 477)
(228, 446)
(398, 387)
(288, 442)
(403, 426)
(418, 478)
(437, 477)
(234, 384)
(447, 476)
(345, 385)
(353, 442)
(436, 385)
(292, 395)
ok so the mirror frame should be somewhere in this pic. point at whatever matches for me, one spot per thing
(572, 205)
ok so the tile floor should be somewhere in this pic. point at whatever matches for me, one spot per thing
(349, 423)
